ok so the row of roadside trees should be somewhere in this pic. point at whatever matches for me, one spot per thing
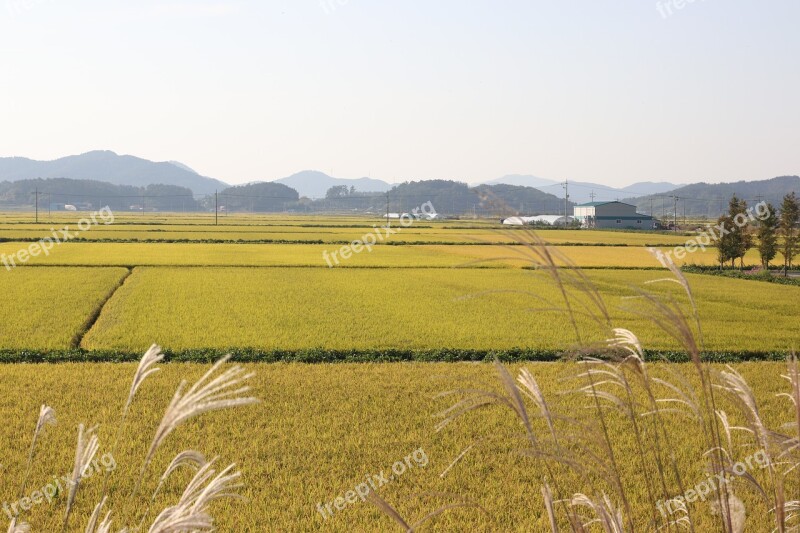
(775, 232)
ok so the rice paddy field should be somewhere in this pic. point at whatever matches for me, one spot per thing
(349, 354)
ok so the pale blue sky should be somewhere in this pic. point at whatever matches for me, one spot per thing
(611, 91)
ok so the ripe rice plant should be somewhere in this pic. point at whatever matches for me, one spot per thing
(48, 310)
(416, 309)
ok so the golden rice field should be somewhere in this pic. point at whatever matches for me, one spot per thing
(334, 232)
(321, 429)
(48, 311)
(296, 308)
(311, 255)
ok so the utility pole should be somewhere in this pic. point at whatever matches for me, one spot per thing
(652, 213)
(37, 204)
(216, 209)
(592, 195)
(388, 224)
(675, 214)
(566, 199)
(49, 205)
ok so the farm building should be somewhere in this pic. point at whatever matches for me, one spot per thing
(607, 215)
(553, 220)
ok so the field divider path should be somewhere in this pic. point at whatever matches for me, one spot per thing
(77, 339)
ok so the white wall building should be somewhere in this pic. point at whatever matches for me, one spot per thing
(609, 215)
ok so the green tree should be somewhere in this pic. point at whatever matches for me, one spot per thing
(768, 236)
(734, 244)
(337, 191)
(790, 217)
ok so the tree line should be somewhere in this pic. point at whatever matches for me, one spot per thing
(775, 231)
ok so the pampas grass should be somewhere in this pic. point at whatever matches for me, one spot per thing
(47, 416)
(616, 382)
(84, 453)
(104, 525)
(205, 487)
(206, 395)
(13, 527)
(218, 389)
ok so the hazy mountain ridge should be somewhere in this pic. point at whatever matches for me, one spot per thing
(711, 199)
(523, 193)
(314, 184)
(582, 192)
(109, 167)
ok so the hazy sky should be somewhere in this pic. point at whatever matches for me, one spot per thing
(613, 91)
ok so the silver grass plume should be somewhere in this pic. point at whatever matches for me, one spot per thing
(151, 357)
(208, 394)
(627, 340)
(193, 523)
(187, 458)
(104, 526)
(84, 453)
(47, 416)
(23, 527)
(205, 487)
(734, 513)
(609, 518)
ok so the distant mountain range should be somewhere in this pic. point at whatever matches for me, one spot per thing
(110, 168)
(711, 199)
(523, 193)
(582, 192)
(315, 184)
